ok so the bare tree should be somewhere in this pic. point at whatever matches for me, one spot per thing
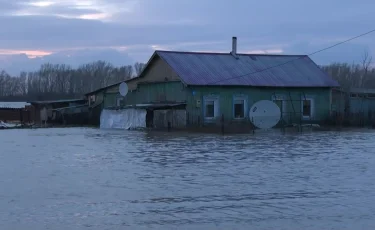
(139, 68)
(366, 61)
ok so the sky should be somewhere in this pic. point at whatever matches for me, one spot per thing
(126, 31)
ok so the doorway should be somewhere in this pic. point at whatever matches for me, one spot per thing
(150, 118)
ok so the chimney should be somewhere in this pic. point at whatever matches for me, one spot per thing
(234, 47)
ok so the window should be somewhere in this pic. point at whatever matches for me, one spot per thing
(119, 101)
(210, 109)
(281, 101)
(92, 99)
(239, 108)
(307, 108)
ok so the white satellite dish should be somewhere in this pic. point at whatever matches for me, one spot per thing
(123, 89)
(265, 114)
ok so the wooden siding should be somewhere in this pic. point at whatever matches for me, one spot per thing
(176, 92)
(292, 107)
(157, 71)
(150, 93)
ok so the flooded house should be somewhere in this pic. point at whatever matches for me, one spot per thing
(209, 89)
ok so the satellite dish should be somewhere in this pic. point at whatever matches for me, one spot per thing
(123, 89)
(264, 114)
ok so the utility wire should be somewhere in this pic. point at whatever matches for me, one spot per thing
(330, 47)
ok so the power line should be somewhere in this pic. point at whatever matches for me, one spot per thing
(330, 47)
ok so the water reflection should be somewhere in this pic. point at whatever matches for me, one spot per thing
(102, 179)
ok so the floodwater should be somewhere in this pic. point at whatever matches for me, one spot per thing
(78, 178)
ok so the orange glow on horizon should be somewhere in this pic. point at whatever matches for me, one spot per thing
(29, 53)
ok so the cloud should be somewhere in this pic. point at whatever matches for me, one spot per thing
(267, 51)
(87, 9)
(137, 27)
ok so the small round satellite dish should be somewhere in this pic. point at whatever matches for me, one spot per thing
(123, 89)
(264, 114)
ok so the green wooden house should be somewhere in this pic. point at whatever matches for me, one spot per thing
(213, 86)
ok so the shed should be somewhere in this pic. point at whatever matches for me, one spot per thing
(15, 111)
(362, 106)
(48, 110)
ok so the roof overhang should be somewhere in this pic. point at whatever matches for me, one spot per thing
(152, 106)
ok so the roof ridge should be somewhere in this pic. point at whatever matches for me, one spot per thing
(228, 53)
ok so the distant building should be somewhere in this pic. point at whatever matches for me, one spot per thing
(213, 86)
(68, 111)
(15, 112)
(355, 106)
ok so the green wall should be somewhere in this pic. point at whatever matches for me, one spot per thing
(150, 92)
(292, 108)
(177, 92)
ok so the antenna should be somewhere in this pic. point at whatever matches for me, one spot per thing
(123, 89)
(265, 114)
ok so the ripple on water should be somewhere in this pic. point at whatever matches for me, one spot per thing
(80, 178)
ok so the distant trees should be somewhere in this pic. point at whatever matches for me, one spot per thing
(139, 68)
(55, 81)
(353, 75)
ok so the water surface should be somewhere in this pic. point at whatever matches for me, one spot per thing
(95, 179)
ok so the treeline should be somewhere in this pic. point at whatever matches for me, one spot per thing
(63, 82)
(351, 75)
(60, 81)
(360, 75)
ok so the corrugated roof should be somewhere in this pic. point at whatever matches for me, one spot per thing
(13, 105)
(149, 106)
(109, 86)
(224, 69)
(58, 101)
(103, 88)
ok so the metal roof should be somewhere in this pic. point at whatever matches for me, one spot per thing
(150, 106)
(109, 86)
(58, 101)
(224, 69)
(13, 105)
(156, 105)
(69, 107)
(103, 88)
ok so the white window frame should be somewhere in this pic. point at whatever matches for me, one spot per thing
(215, 100)
(245, 105)
(312, 107)
(283, 100)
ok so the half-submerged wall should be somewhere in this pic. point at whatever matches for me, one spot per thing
(298, 105)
